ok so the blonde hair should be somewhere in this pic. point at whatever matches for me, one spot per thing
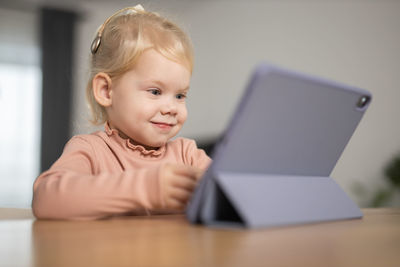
(121, 40)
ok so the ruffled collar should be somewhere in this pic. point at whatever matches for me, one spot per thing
(113, 133)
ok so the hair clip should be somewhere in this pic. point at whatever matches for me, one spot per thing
(95, 44)
(129, 10)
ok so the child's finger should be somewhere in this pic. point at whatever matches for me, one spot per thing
(188, 171)
(184, 183)
(180, 195)
(199, 173)
(175, 204)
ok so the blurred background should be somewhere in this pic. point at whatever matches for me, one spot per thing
(44, 52)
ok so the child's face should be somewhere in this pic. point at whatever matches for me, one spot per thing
(148, 102)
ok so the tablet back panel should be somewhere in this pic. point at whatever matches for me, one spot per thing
(289, 123)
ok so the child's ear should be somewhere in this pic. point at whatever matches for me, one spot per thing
(102, 89)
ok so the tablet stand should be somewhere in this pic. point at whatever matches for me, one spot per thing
(260, 200)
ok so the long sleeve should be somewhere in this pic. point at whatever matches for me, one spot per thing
(73, 188)
(195, 156)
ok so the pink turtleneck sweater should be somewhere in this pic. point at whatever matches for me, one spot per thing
(101, 175)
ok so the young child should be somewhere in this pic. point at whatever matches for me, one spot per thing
(141, 67)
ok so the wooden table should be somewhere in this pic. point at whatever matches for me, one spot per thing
(172, 241)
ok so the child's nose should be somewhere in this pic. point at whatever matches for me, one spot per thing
(169, 107)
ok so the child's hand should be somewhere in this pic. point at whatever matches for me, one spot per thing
(177, 184)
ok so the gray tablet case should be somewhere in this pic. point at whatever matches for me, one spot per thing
(272, 166)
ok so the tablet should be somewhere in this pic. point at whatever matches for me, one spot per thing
(287, 124)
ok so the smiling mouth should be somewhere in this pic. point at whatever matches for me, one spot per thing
(162, 125)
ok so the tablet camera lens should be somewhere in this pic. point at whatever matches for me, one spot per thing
(363, 101)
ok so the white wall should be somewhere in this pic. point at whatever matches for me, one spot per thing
(355, 42)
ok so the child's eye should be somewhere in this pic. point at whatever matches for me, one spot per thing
(180, 96)
(154, 91)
